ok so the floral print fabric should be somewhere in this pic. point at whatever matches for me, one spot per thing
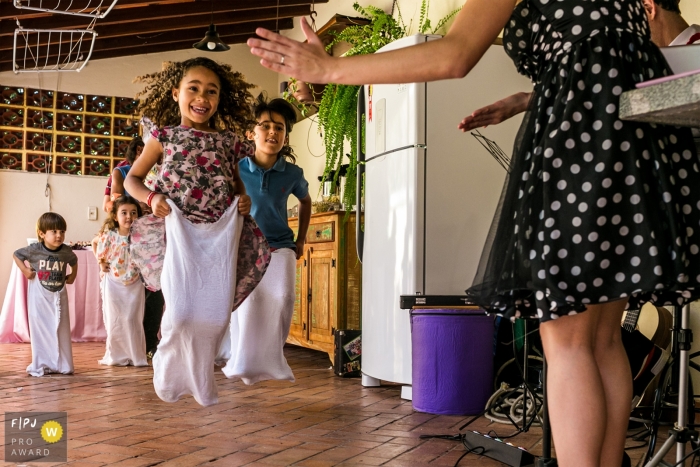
(113, 249)
(148, 249)
(253, 258)
(197, 170)
(152, 177)
(197, 174)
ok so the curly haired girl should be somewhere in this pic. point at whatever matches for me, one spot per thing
(197, 107)
(234, 100)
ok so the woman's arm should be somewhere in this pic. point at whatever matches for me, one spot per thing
(117, 183)
(152, 152)
(474, 30)
(304, 220)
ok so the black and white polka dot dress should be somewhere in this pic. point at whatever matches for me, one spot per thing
(594, 209)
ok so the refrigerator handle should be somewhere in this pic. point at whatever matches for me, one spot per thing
(359, 233)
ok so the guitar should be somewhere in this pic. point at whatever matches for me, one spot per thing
(646, 337)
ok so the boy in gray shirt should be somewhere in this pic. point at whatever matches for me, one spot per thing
(47, 299)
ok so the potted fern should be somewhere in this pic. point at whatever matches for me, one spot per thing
(337, 112)
(302, 96)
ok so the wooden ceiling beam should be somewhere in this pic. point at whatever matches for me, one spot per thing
(145, 43)
(136, 27)
(150, 26)
(191, 35)
(182, 45)
(8, 10)
(159, 12)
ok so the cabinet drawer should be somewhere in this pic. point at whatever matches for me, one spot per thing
(320, 233)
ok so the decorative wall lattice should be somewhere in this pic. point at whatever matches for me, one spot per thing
(72, 133)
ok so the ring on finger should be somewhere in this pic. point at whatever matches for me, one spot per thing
(282, 60)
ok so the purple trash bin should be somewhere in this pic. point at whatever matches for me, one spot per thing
(452, 355)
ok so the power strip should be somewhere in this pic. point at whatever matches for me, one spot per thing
(498, 450)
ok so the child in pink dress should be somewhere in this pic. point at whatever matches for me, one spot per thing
(123, 297)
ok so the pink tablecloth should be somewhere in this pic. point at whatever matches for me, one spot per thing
(83, 297)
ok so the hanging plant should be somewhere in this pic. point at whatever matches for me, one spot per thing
(300, 95)
(337, 111)
(424, 26)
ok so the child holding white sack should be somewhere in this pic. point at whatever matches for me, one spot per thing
(196, 107)
(47, 299)
(123, 296)
(259, 328)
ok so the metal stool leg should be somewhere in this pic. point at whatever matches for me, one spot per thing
(680, 434)
(546, 460)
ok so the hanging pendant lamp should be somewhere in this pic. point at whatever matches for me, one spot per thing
(211, 42)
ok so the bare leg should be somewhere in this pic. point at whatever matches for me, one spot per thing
(617, 382)
(578, 386)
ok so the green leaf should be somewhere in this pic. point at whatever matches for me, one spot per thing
(337, 112)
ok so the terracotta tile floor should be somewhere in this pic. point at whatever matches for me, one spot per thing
(320, 420)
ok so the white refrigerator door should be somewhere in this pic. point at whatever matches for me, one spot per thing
(393, 256)
(392, 264)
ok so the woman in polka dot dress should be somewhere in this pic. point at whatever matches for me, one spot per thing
(597, 214)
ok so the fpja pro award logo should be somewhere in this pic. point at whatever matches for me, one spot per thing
(36, 437)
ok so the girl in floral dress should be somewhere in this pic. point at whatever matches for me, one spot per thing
(123, 297)
(197, 107)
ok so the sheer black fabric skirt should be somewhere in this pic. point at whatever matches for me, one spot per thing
(594, 209)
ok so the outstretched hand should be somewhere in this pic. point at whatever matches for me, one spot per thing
(307, 61)
(496, 113)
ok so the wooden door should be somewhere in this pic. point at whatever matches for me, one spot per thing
(322, 285)
(297, 328)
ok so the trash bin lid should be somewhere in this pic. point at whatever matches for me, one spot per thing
(471, 311)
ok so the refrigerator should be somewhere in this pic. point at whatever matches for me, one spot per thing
(430, 193)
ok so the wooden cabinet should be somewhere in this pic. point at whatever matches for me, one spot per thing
(328, 282)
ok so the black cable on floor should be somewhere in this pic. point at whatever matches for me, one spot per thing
(691, 453)
(639, 436)
(457, 437)
(496, 436)
(469, 450)
(462, 438)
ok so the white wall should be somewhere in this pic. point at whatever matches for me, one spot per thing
(22, 201)
(22, 198)
(690, 9)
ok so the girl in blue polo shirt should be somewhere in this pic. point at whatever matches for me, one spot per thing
(260, 326)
